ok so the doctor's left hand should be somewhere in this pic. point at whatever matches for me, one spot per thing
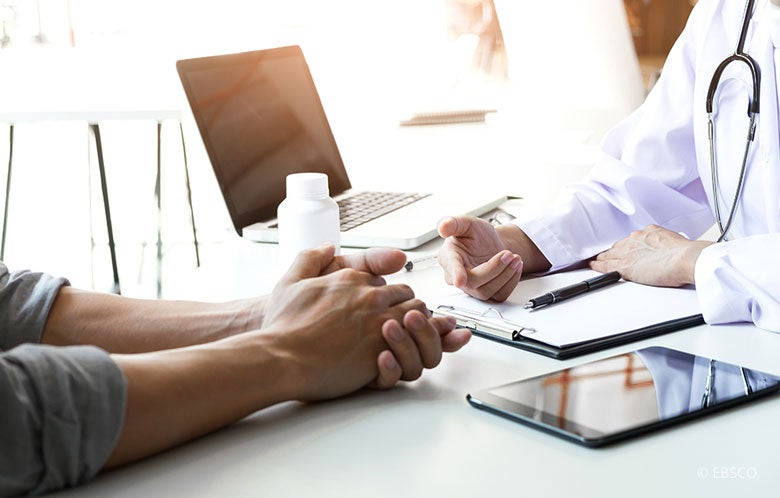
(653, 256)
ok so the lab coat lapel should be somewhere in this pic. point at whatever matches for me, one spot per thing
(761, 186)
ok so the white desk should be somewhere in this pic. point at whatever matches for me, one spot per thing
(423, 439)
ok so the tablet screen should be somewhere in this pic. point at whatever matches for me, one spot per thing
(611, 399)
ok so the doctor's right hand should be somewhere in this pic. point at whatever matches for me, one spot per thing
(477, 260)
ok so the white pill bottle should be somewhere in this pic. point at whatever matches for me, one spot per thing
(307, 217)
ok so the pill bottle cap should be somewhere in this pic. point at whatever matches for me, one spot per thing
(307, 185)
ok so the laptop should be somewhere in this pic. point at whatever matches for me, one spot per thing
(261, 119)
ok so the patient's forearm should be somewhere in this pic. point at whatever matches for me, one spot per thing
(175, 396)
(124, 325)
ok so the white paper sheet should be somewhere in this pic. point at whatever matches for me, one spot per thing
(613, 309)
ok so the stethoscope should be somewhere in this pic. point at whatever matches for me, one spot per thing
(739, 55)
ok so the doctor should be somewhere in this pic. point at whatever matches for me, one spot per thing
(660, 176)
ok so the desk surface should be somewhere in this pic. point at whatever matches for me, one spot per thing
(423, 439)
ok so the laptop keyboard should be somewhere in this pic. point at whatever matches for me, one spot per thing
(366, 206)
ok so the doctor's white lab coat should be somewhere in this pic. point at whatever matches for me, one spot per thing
(655, 169)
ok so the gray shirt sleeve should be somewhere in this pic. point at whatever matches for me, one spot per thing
(61, 408)
(62, 412)
(25, 300)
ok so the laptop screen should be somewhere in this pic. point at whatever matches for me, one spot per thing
(260, 119)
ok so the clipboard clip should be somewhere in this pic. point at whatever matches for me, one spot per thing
(471, 319)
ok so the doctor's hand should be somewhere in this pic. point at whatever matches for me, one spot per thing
(653, 256)
(476, 259)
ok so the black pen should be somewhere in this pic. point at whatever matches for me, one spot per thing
(573, 290)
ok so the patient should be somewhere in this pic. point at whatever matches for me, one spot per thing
(117, 379)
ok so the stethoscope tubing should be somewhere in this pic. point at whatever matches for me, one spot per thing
(739, 55)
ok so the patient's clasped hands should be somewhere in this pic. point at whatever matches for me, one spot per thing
(366, 332)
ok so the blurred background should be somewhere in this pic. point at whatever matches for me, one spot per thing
(373, 62)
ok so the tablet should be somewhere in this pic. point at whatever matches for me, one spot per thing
(622, 396)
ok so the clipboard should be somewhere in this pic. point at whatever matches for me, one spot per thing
(600, 319)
